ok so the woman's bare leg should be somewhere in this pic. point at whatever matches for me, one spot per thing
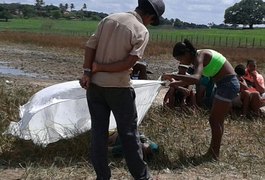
(218, 112)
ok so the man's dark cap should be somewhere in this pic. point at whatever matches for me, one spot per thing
(158, 7)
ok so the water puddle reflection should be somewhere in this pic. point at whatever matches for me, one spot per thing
(11, 71)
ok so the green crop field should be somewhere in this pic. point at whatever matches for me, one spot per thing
(50, 26)
(212, 37)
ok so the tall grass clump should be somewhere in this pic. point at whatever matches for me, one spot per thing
(12, 96)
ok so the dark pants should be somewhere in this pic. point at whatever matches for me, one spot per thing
(121, 101)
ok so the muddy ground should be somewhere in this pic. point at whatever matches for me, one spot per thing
(56, 65)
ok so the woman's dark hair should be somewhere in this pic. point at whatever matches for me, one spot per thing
(181, 48)
(240, 70)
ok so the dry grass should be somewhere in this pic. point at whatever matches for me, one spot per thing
(182, 137)
(70, 42)
(185, 137)
(45, 40)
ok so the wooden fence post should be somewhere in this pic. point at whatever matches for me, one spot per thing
(253, 42)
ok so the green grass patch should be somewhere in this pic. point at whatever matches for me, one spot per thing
(213, 37)
(77, 27)
(207, 37)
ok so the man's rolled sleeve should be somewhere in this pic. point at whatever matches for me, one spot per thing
(139, 46)
(92, 42)
(94, 38)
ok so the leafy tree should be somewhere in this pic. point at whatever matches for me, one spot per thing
(39, 4)
(178, 23)
(165, 21)
(66, 6)
(28, 11)
(4, 14)
(84, 7)
(72, 6)
(172, 21)
(62, 7)
(50, 8)
(246, 12)
(56, 14)
(80, 14)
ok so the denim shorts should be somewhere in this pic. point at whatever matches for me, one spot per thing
(227, 88)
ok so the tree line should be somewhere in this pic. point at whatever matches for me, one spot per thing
(16, 10)
(246, 13)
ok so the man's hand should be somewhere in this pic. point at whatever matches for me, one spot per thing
(85, 81)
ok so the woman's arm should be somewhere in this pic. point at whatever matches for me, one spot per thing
(184, 80)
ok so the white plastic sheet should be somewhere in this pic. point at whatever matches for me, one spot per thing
(60, 111)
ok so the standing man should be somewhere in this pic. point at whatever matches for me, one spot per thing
(110, 54)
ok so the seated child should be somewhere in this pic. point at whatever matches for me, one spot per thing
(179, 96)
(249, 99)
(254, 80)
(140, 70)
(115, 148)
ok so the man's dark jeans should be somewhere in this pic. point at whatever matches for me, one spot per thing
(121, 101)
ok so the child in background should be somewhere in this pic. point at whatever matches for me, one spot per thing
(181, 96)
(115, 148)
(254, 80)
(249, 98)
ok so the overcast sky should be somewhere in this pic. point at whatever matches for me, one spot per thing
(195, 11)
